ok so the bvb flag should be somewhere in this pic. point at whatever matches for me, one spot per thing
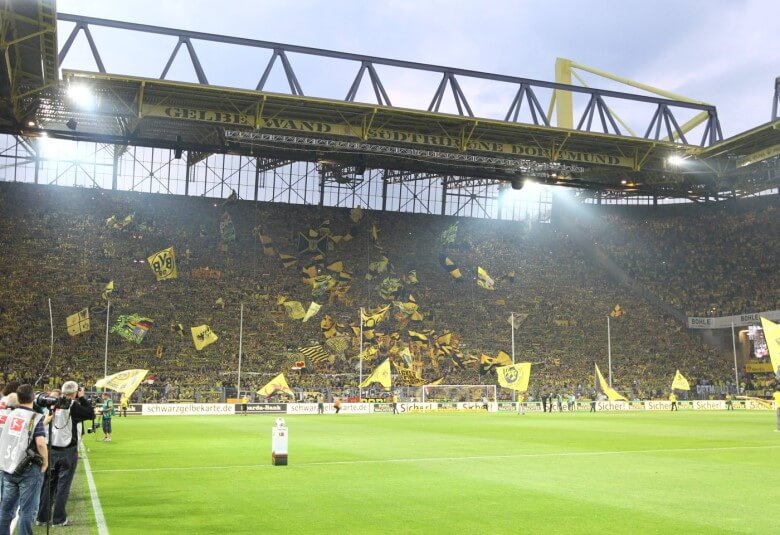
(515, 377)
(680, 382)
(202, 336)
(125, 382)
(78, 323)
(313, 309)
(381, 375)
(610, 392)
(277, 383)
(772, 336)
(163, 263)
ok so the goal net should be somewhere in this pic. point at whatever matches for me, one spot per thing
(459, 393)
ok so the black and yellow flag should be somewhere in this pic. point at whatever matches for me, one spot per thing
(78, 323)
(202, 336)
(163, 264)
(451, 267)
(268, 244)
(409, 376)
(288, 260)
(418, 337)
(380, 375)
(514, 377)
(315, 353)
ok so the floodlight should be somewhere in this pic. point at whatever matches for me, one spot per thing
(81, 95)
(675, 159)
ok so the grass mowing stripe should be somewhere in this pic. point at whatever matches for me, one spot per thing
(434, 459)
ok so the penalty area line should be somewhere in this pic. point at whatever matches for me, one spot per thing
(100, 519)
(434, 459)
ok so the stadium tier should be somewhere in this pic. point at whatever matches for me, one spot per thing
(437, 291)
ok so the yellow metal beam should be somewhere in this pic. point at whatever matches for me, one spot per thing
(563, 99)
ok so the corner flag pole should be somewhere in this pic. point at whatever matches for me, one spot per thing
(609, 352)
(734, 346)
(360, 357)
(240, 345)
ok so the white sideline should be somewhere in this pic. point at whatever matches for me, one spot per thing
(433, 459)
(100, 520)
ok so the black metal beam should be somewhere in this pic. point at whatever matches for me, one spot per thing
(451, 71)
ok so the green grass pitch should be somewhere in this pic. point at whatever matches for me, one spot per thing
(680, 472)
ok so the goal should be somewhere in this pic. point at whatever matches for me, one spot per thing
(459, 393)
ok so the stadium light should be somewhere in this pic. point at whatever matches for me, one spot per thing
(81, 95)
(675, 159)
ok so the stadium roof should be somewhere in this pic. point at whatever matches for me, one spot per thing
(130, 110)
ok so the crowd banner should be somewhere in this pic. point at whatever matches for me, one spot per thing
(740, 320)
(197, 409)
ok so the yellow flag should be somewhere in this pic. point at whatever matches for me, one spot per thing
(484, 280)
(78, 323)
(313, 309)
(108, 289)
(277, 383)
(125, 381)
(610, 392)
(680, 382)
(381, 375)
(163, 264)
(502, 359)
(515, 377)
(294, 310)
(203, 336)
(376, 315)
(772, 336)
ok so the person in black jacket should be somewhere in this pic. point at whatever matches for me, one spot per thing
(64, 438)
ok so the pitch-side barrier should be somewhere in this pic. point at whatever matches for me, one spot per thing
(202, 409)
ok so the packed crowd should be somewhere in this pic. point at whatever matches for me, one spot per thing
(66, 245)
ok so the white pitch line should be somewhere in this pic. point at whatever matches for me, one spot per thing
(433, 459)
(100, 520)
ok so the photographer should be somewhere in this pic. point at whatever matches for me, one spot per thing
(23, 437)
(65, 435)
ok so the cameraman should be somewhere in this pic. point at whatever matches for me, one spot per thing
(65, 435)
(22, 473)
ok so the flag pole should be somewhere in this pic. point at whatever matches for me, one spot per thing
(240, 345)
(105, 354)
(512, 320)
(734, 346)
(609, 352)
(360, 357)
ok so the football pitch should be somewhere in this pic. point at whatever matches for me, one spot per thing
(685, 472)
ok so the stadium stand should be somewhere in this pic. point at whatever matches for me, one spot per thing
(66, 244)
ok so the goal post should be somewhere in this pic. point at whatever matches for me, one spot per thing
(459, 393)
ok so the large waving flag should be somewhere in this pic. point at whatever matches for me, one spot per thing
(277, 383)
(772, 336)
(680, 382)
(610, 392)
(381, 375)
(125, 381)
(313, 309)
(484, 280)
(515, 377)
